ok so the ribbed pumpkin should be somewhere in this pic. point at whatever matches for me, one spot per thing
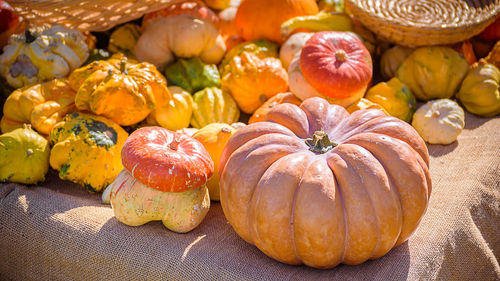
(214, 137)
(252, 80)
(86, 150)
(319, 186)
(392, 59)
(262, 19)
(42, 54)
(24, 156)
(124, 38)
(433, 72)
(260, 114)
(212, 105)
(480, 90)
(164, 179)
(176, 114)
(120, 89)
(395, 97)
(42, 105)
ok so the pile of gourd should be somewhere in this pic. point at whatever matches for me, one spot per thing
(332, 157)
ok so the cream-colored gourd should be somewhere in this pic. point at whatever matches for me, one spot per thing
(41, 54)
(135, 204)
(292, 46)
(392, 59)
(439, 121)
(161, 40)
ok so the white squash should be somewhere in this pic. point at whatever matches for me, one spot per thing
(439, 121)
(292, 46)
(392, 59)
(41, 54)
(163, 39)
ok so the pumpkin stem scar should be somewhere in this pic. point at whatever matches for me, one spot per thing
(174, 144)
(340, 55)
(320, 142)
(29, 37)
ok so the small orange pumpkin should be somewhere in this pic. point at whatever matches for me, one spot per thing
(262, 19)
(260, 114)
(252, 80)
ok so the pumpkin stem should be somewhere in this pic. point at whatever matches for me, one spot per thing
(320, 143)
(340, 55)
(29, 37)
(174, 144)
(123, 63)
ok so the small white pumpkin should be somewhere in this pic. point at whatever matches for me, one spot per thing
(392, 59)
(439, 121)
(292, 46)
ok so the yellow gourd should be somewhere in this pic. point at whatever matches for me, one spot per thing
(41, 105)
(120, 89)
(124, 38)
(176, 114)
(24, 156)
(212, 105)
(395, 97)
(479, 92)
(86, 150)
(433, 72)
(214, 138)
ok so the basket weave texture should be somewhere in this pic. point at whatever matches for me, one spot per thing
(89, 15)
(425, 22)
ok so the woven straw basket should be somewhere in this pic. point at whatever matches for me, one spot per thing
(90, 15)
(425, 22)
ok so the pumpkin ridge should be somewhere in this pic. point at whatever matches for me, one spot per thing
(259, 145)
(346, 227)
(392, 186)
(374, 210)
(364, 142)
(294, 199)
(341, 155)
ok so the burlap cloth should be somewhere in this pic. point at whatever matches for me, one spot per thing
(58, 231)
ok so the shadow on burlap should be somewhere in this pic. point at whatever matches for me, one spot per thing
(59, 231)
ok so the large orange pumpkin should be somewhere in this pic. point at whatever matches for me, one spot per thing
(319, 186)
(262, 19)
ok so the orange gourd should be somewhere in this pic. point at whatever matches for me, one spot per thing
(262, 19)
(260, 114)
(252, 80)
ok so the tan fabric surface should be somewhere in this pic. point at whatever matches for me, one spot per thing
(58, 231)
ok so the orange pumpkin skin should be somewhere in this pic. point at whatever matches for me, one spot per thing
(148, 152)
(262, 19)
(252, 80)
(336, 64)
(196, 9)
(260, 114)
(228, 28)
(345, 203)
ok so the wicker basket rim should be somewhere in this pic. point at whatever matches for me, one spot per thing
(478, 21)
